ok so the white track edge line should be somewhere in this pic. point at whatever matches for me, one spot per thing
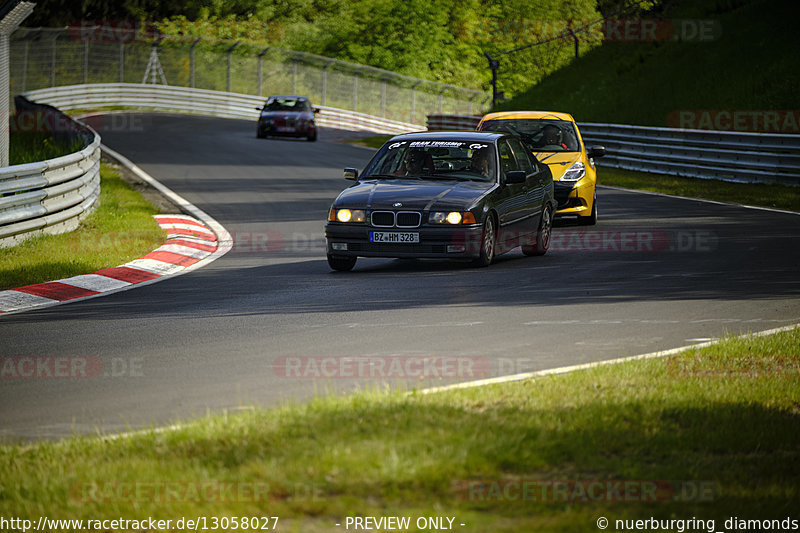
(596, 364)
(485, 382)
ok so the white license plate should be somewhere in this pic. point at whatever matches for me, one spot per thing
(394, 237)
(284, 129)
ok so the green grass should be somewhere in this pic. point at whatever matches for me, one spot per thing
(372, 142)
(120, 229)
(775, 196)
(749, 67)
(31, 147)
(725, 419)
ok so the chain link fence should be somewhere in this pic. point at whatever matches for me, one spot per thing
(49, 57)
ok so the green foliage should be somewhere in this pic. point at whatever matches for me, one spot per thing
(748, 66)
(438, 40)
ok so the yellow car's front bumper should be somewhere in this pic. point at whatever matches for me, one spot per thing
(574, 199)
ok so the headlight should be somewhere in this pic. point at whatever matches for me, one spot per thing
(574, 173)
(451, 217)
(347, 215)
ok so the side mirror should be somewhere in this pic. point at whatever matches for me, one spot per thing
(515, 176)
(351, 174)
(316, 110)
(597, 151)
(258, 108)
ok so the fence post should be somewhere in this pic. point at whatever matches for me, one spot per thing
(53, 62)
(122, 61)
(191, 62)
(86, 61)
(383, 98)
(260, 71)
(294, 75)
(229, 52)
(25, 49)
(324, 82)
(355, 90)
(413, 98)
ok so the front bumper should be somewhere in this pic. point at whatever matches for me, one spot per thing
(434, 242)
(271, 130)
(573, 198)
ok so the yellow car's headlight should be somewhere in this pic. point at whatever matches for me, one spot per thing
(575, 172)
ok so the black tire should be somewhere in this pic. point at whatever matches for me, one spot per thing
(312, 137)
(542, 235)
(488, 243)
(260, 134)
(590, 220)
(341, 264)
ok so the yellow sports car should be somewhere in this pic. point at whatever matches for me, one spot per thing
(554, 139)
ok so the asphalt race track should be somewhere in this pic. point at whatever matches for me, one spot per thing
(655, 273)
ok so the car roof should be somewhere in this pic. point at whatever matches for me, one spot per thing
(505, 115)
(470, 135)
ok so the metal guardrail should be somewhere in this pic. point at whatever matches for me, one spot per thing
(706, 154)
(50, 196)
(199, 101)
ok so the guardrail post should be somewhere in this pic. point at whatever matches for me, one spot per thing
(191, 62)
(260, 75)
(229, 52)
(441, 97)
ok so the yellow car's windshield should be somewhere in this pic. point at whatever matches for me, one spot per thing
(541, 135)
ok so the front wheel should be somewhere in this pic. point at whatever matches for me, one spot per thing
(341, 264)
(312, 137)
(488, 242)
(543, 235)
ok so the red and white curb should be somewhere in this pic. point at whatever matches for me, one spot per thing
(189, 242)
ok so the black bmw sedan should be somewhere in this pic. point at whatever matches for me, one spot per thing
(448, 195)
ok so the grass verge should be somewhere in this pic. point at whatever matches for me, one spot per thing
(711, 433)
(120, 229)
(758, 194)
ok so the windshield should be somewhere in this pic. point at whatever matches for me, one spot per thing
(286, 104)
(542, 135)
(434, 159)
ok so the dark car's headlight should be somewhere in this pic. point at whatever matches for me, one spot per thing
(575, 172)
(347, 215)
(451, 217)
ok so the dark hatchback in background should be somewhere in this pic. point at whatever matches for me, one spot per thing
(287, 116)
(451, 195)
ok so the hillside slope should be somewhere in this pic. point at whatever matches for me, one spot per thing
(752, 65)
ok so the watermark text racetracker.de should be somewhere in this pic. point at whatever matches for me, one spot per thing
(561, 240)
(70, 367)
(586, 490)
